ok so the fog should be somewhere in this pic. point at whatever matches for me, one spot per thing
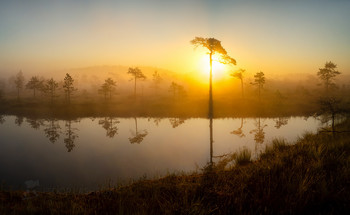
(172, 94)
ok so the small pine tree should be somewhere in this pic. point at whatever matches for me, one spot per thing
(137, 74)
(34, 84)
(19, 83)
(68, 86)
(328, 74)
(259, 80)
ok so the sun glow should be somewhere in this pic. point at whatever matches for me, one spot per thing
(219, 69)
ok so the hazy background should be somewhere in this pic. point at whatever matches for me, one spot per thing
(277, 37)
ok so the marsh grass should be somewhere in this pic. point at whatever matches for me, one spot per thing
(243, 157)
(125, 106)
(310, 176)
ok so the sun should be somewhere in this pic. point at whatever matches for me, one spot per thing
(218, 68)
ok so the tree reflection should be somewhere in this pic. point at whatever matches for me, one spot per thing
(211, 139)
(175, 122)
(281, 121)
(156, 120)
(137, 137)
(19, 120)
(52, 130)
(35, 122)
(259, 134)
(110, 125)
(71, 136)
(2, 119)
(239, 131)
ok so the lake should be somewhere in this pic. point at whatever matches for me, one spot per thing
(88, 153)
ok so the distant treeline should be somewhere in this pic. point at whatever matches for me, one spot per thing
(243, 96)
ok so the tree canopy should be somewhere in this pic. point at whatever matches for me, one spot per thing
(328, 74)
(68, 86)
(108, 87)
(34, 84)
(214, 46)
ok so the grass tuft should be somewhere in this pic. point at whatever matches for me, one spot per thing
(243, 157)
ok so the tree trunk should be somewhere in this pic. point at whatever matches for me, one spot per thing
(242, 88)
(211, 107)
(211, 87)
(135, 88)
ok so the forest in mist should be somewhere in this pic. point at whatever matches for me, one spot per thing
(161, 92)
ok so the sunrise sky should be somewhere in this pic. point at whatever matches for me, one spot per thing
(274, 36)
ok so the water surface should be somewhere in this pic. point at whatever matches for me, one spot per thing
(91, 152)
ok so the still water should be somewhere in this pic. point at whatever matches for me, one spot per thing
(88, 153)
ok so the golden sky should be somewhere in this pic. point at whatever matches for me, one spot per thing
(276, 37)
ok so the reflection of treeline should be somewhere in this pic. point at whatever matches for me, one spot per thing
(255, 95)
(308, 177)
(54, 129)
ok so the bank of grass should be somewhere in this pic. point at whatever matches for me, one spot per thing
(311, 176)
(186, 107)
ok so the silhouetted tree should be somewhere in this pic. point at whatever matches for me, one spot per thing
(35, 84)
(177, 90)
(173, 88)
(156, 81)
(259, 81)
(19, 82)
(108, 87)
(104, 90)
(110, 125)
(328, 74)
(239, 74)
(50, 88)
(70, 136)
(214, 47)
(330, 109)
(52, 130)
(137, 136)
(137, 74)
(239, 131)
(68, 86)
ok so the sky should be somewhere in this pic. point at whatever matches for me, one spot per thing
(278, 37)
